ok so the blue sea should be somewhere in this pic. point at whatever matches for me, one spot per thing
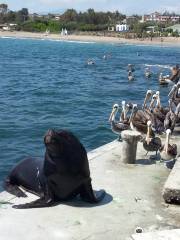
(47, 84)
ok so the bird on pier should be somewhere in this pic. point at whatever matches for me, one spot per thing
(170, 119)
(157, 117)
(173, 91)
(123, 115)
(168, 151)
(151, 143)
(163, 110)
(117, 127)
(137, 124)
(174, 94)
(147, 98)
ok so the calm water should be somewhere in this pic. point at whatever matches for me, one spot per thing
(46, 84)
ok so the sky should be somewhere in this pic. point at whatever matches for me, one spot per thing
(127, 7)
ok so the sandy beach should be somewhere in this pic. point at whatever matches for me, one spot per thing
(173, 41)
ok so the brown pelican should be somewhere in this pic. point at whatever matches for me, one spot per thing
(153, 100)
(162, 110)
(147, 97)
(177, 113)
(147, 73)
(175, 74)
(168, 151)
(144, 115)
(174, 94)
(117, 127)
(137, 123)
(163, 80)
(158, 111)
(123, 112)
(153, 112)
(170, 119)
(173, 91)
(151, 143)
(130, 76)
(90, 62)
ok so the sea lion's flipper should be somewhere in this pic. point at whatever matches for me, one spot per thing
(40, 203)
(88, 195)
(13, 189)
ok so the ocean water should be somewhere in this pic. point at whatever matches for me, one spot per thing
(47, 84)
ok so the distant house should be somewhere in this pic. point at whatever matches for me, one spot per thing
(122, 27)
(57, 17)
(2, 26)
(157, 17)
(175, 28)
(150, 29)
(8, 27)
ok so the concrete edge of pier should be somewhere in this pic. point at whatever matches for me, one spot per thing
(171, 190)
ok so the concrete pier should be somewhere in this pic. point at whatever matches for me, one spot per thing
(159, 235)
(134, 199)
(171, 190)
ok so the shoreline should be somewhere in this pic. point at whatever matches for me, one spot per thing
(167, 41)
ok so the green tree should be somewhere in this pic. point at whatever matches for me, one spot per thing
(70, 15)
(22, 15)
(3, 8)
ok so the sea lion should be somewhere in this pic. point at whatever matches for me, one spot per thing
(62, 175)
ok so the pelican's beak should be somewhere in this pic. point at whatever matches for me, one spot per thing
(177, 109)
(154, 97)
(168, 132)
(111, 115)
(147, 140)
(148, 132)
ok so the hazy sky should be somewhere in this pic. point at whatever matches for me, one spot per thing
(124, 6)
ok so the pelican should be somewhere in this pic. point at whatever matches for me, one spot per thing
(144, 115)
(158, 110)
(173, 91)
(137, 124)
(163, 110)
(151, 143)
(147, 97)
(117, 127)
(90, 62)
(163, 80)
(177, 113)
(152, 103)
(157, 124)
(168, 151)
(170, 119)
(123, 113)
(130, 76)
(148, 73)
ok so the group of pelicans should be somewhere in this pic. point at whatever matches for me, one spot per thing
(163, 79)
(131, 69)
(152, 120)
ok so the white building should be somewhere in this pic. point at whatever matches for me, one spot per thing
(122, 27)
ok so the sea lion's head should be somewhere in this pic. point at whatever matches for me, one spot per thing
(53, 142)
